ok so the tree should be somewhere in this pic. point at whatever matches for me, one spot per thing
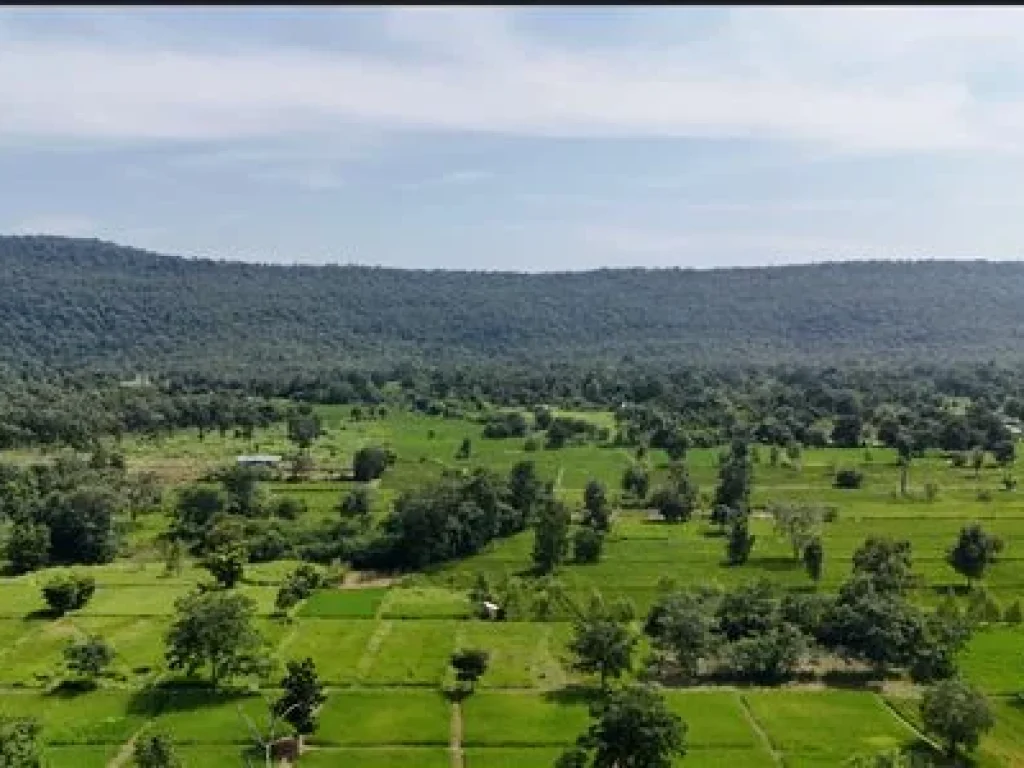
(633, 728)
(977, 461)
(767, 657)
(89, 657)
(301, 697)
(872, 625)
(740, 542)
(28, 546)
(973, 552)
(596, 512)
(603, 645)
(848, 479)
(155, 750)
(636, 481)
(905, 454)
(465, 449)
(303, 428)
(846, 430)
(746, 611)
(197, 507)
(886, 562)
(227, 564)
(587, 544)
(957, 713)
(68, 592)
(469, 664)
(369, 463)
(19, 742)
(82, 526)
(798, 523)
(680, 624)
(550, 536)
(356, 505)
(735, 478)
(814, 559)
(215, 629)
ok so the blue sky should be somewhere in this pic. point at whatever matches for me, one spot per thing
(529, 139)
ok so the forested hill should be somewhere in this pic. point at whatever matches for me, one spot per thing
(86, 303)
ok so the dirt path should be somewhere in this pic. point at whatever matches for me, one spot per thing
(761, 733)
(455, 743)
(124, 755)
(383, 630)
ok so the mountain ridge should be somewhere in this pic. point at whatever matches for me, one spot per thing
(68, 302)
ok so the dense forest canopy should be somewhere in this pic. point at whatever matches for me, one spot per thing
(86, 303)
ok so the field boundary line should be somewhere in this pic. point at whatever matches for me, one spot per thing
(124, 755)
(372, 647)
(455, 742)
(910, 725)
(759, 730)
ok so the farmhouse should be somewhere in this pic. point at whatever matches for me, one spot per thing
(259, 460)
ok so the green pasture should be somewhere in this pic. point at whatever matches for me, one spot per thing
(384, 651)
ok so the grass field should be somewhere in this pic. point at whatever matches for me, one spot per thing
(384, 650)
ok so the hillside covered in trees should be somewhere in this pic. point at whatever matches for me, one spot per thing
(85, 303)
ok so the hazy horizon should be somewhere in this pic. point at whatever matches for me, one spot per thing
(519, 139)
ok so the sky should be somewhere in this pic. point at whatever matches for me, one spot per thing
(528, 139)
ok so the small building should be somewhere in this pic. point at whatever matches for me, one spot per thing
(259, 460)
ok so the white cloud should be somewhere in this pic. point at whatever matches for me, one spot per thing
(845, 79)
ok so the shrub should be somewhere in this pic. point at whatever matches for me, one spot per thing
(1013, 614)
(984, 495)
(848, 478)
(89, 657)
(587, 544)
(931, 491)
(69, 592)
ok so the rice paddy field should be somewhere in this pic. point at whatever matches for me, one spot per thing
(383, 649)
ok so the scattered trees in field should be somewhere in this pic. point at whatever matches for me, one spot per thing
(632, 727)
(957, 713)
(302, 694)
(740, 541)
(68, 592)
(587, 545)
(88, 657)
(550, 536)
(215, 630)
(814, 558)
(885, 562)
(19, 742)
(602, 643)
(227, 564)
(636, 481)
(735, 478)
(298, 585)
(155, 749)
(369, 463)
(974, 551)
(596, 509)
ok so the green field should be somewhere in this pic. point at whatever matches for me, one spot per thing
(383, 649)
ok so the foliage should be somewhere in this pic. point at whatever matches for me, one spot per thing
(974, 551)
(814, 558)
(957, 713)
(68, 592)
(885, 562)
(740, 542)
(214, 629)
(227, 564)
(633, 727)
(302, 695)
(550, 536)
(469, 664)
(19, 742)
(89, 657)
(155, 750)
(587, 545)
(602, 643)
(369, 463)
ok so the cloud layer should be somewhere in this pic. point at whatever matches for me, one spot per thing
(837, 79)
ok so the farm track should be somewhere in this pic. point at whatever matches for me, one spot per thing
(455, 745)
(755, 726)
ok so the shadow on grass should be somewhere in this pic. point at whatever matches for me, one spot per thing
(182, 696)
(574, 693)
